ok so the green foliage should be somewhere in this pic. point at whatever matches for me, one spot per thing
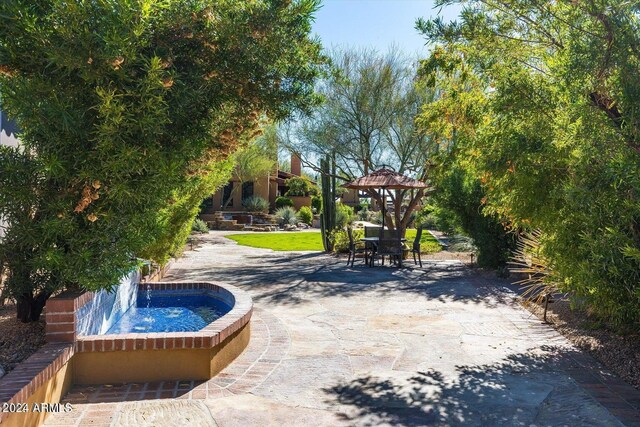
(340, 239)
(299, 186)
(286, 216)
(254, 161)
(199, 226)
(316, 204)
(364, 213)
(367, 120)
(282, 202)
(174, 220)
(344, 215)
(539, 103)
(126, 109)
(305, 215)
(459, 200)
(255, 204)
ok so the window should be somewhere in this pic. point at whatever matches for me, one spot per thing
(226, 195)
(247, 190)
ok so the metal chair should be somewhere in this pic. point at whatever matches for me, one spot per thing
(416, 247)
(390, 244)
(355, 248)
(371, 247)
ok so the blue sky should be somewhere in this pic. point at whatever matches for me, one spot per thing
(376, 24)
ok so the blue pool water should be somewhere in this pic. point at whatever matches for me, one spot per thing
(169, 312)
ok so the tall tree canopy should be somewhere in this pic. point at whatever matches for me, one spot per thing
(539, 101)
(367, 119)
(127, 111)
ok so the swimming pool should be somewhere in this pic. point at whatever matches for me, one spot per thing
(165, 311)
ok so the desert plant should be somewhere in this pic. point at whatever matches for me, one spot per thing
(529, 260)
(344, 215)
(340, 239)
(282, 202)
(363, 213)
(305, 215)
(120, 86)
(286, 216)
(316, 204)
(199, 226)
(255, 204)
(299, 186)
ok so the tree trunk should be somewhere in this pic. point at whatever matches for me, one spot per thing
(28, 308)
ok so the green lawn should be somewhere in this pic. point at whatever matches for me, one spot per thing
(290, 241)
(428, 243)
(293, 241)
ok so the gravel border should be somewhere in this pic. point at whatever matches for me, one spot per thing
(619, 353)
(18, 340)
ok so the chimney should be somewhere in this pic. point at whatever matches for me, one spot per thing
(296, 165)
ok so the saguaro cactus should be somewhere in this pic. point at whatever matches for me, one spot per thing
(328, 215)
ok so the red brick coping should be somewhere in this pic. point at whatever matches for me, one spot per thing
(208, 337)
(61, 322)
(63, 342)
(28, 376)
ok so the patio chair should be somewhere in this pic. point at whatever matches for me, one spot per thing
(390, 244)
(371, 247)
(355, 248)
(416, 247)
(372, 231)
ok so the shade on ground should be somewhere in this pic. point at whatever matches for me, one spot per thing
(338, 346)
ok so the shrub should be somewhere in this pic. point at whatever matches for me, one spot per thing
(299, 187)
(344, 215)
(199, 226)
(340, 239)
(282, 202)
(286, 215)
(316, 204)
(305, 215)
(363, 213)
(255, 204)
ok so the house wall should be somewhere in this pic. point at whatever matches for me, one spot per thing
(265, 187)
(8, 137)
(351, 197)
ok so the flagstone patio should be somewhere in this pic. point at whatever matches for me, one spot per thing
(332, 345)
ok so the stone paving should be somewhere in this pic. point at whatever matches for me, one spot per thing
(332, 345)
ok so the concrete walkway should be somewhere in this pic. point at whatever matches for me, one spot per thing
(358, 346)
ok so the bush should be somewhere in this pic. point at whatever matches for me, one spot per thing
(305, 215)
(460, 201)
(344, 215)
(255, 204)
(363, 213)
(286, 216)
(340, 239)
(434, 217)
(282, 202)
(299, 187)
(316, 204)
(199, 226)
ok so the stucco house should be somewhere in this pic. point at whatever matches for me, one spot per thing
(269, 187)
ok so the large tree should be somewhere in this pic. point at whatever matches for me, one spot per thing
(126, 110)
(539, 101)
(366, 121)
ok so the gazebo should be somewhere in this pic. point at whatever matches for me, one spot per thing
(386, 179)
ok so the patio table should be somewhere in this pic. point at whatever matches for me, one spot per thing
(372, 242)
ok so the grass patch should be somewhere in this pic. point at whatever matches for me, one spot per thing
(291, 241)
(428, 243)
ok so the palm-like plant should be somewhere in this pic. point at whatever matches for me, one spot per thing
(528, 259)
